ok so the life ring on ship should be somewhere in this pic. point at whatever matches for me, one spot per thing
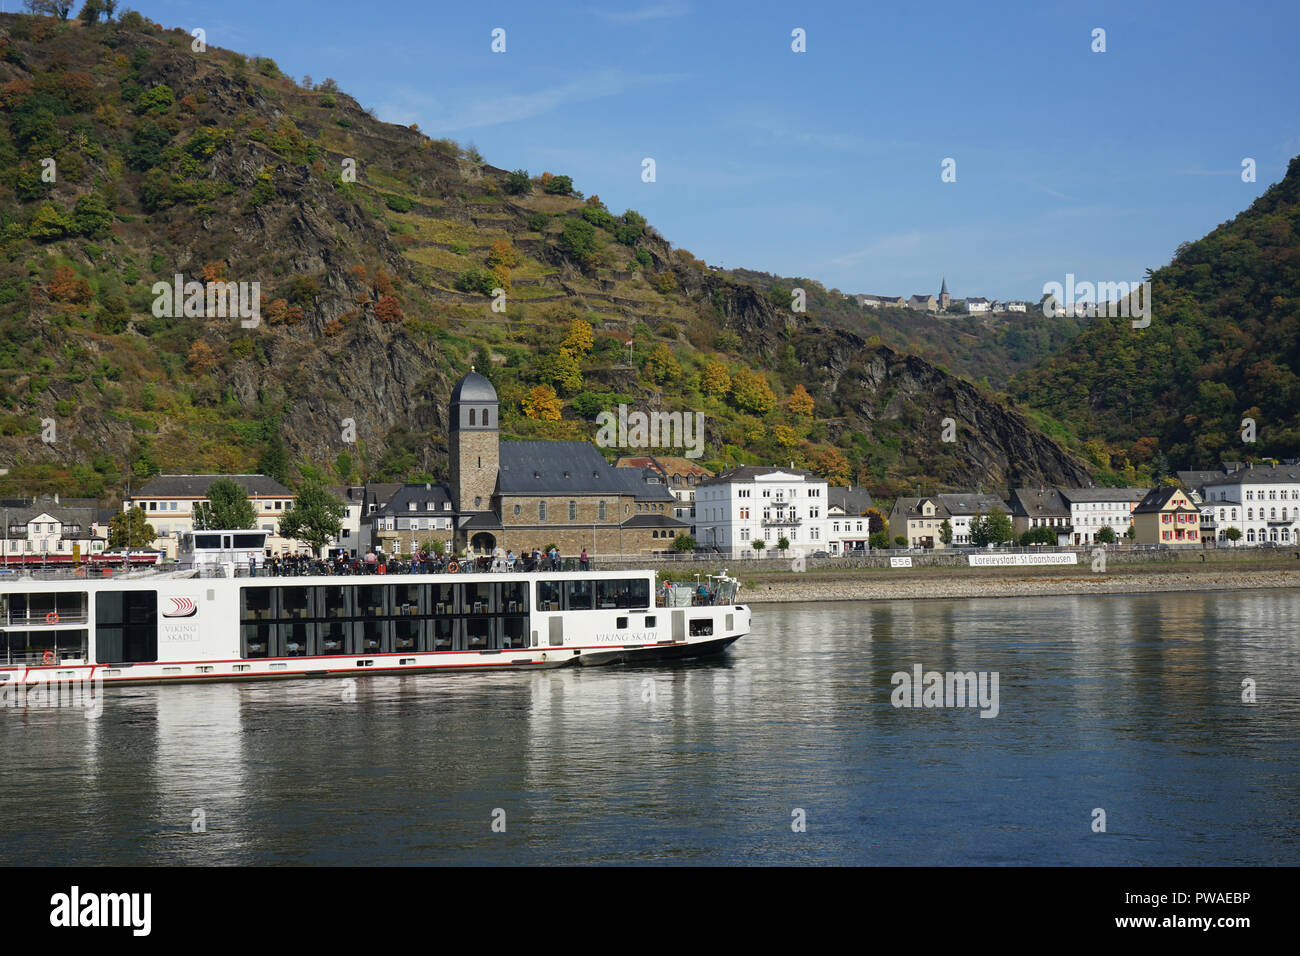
(47, 657)
(52, 617)
(452, 567)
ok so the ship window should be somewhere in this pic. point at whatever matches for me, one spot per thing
(334, 601)
(126, 627)
(620, 623)
(372, 637)
(578, 595)
(702, 628)
(650, 621)
(334, 637)
(548, 595)
(516, 632)
(258, 604)
(256, 640)
(478, 631)
(297, 638)
(444, 631)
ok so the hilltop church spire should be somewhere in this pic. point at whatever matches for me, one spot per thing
(944, 297)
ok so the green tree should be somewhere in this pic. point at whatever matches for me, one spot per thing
(1232, 534)
(683, 543)
(578, 241)
(993, 528)
(274, 460)
(227, 507)
(518, 183)
(559, 185)
(945, 531)
(782, 543)
(878, 540)
(1106, 535)
(315, 517)
(758, 545)
(130, 529)
(900, 540)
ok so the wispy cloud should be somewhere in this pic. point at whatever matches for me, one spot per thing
(494, 109)
(653, 11)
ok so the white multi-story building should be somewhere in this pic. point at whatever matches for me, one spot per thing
(1263, 502)
(168, 502)
(1092, 509)
(752, 503)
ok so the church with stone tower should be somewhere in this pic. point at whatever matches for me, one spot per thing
(521, 495)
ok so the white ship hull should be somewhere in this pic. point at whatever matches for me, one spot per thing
(173, 628)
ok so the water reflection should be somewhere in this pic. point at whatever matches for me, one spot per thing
(1130, 703)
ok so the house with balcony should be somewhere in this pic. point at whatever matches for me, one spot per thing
(1261, 501)
(758, 503)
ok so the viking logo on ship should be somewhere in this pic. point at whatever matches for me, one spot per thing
(182, 607)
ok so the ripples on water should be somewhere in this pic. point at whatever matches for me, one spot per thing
(1127, 703)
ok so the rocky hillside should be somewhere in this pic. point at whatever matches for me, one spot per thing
(129, 158)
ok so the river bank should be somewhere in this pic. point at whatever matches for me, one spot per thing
(1007, 582)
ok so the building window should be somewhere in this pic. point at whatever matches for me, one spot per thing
(602, 511)
(478, 502)
(486, 419)
(471, 416)
(541, 511)
(573, 511)
(517, 510)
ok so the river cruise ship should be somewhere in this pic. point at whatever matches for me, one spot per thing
(219, 623)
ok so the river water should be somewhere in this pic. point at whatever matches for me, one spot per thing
(787, 749)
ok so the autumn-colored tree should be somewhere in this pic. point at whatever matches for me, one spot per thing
(785, 436)
(275, 312)
(503, 253)
(67, 286)
(579, 339)
(542, 404)
(201, 359)
(388, 309)
(665, 282)
(750, 392)
(715, 380)
(214, 272)
(561, 369)
(661, 366)
(384, 284)
(832, 465)
(799, 402)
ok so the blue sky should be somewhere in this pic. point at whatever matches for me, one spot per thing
(827, 163)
